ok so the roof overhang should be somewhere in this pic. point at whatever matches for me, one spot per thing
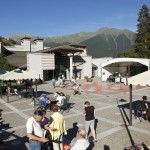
(66, 49)
(118, 62)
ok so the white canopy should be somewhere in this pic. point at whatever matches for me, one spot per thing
(19, 75)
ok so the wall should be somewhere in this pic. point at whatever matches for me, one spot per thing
(39, 44)
(27, 45)
(87, 67)
(34, 63)
(98, 62)
(38, 62)
(138, 79)
(48, 62)
(84, 53)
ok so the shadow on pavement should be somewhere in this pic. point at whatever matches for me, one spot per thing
(5, 137)
(122, 112)
(71, 133)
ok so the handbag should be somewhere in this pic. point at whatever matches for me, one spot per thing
(47, 146)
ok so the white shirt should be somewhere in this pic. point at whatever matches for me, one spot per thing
(34, 127)
(60, 100)
(81, 144)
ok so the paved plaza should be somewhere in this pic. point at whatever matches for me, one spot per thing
(112, 122)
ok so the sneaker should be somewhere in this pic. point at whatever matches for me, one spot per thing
(95, 140)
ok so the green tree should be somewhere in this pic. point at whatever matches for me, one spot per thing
(127, 53)
(4, 65)
(142, 42)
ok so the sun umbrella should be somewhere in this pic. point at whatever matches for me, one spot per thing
(19, 75)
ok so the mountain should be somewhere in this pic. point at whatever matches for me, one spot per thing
(106, 42)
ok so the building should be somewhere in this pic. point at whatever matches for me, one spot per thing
(132, 70)
(72, 60)
(69, 60)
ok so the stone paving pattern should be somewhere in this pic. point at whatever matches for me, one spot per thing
(112, 122)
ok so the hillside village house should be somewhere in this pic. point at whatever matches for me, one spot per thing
(71, 60)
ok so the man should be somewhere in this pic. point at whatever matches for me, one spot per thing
(57, 126)
(146, 108)
(81, 143)
(34, 131)
(54, 82)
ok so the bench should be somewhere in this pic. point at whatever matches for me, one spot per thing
(66, 104)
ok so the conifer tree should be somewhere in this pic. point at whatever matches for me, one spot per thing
(142, 42)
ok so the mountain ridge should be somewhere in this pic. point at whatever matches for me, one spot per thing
(105, 42)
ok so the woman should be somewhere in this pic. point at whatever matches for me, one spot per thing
(45, 121)
(89, 112)
(57, 128)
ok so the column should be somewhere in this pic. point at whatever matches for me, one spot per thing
(71, 68)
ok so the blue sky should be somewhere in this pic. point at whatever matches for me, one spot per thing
(62, 17)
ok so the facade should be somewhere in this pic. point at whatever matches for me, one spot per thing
(69, 60)
(126, 67)
(98, 62)
(72, 60)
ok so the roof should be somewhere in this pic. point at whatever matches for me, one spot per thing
(6, 52)
(125, 61)
(39, 39)
(25, 38)
(78, 45)
(61, 49)
(18, 59)
(94, 66)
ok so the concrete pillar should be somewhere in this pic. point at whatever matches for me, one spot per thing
(67, 74)
(71, 68)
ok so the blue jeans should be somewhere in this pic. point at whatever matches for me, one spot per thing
(34, 145)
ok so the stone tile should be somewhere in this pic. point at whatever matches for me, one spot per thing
(13, 120)
(4, 108)
(120, 139)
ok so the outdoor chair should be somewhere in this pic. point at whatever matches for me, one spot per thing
(30, 93)
(66, 104)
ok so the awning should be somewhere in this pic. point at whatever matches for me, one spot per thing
(19, 75)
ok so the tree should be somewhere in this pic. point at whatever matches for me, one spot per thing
(142, 42)
(4, 65)
(127, 53)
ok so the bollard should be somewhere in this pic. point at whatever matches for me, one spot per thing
(130, 89)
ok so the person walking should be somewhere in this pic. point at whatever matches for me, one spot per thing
(54, 82)
(89, 112)
(57, 128)
(34, 131)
